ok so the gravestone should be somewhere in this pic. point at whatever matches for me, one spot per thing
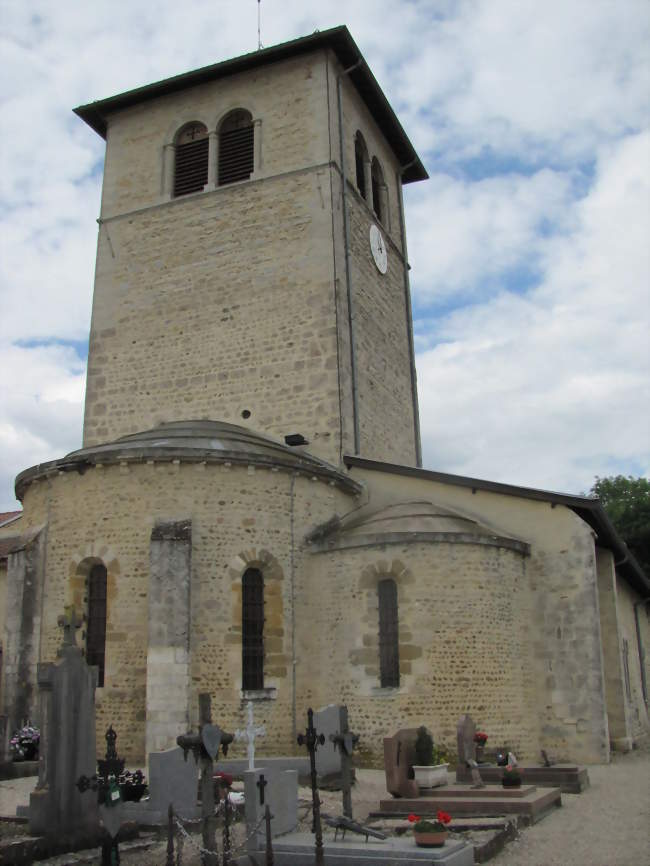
(399, 757)
(465, 739)
(67, 747)
(277, 789)
(172, 779)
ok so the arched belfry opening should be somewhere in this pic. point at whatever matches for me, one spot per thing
(236, 147)
(191, 163)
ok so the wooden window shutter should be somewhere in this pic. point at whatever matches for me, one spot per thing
(253, 629)
(359, 160)
(192, 152)
(236, 148)
(96, 632)
(388, 634)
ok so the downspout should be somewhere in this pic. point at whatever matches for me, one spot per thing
(409, 317)
(639, 644)
(292, 570)
(348, 279)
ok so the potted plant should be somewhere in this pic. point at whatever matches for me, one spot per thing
(480, 739)
(430, 833)
(511, 777)
(431, 769)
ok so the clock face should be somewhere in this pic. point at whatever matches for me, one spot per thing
(378, 249)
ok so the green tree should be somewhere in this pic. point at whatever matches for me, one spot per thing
(627, 503)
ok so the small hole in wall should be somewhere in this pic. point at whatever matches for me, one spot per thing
(246, 413)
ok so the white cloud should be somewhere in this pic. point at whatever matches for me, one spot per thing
(551, 389)
(536, 387)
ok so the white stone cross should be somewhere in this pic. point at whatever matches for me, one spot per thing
(249, 733)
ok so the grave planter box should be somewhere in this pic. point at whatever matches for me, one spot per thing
(431, 777)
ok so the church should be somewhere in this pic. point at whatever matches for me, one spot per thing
(248, 514)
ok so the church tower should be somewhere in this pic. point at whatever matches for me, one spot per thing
(251, 262)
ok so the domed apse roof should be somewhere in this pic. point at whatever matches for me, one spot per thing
(193, 441)
(410, 521)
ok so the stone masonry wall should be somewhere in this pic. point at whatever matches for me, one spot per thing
(636, 711)
(566, 631)
(241, 517)
(464, 642)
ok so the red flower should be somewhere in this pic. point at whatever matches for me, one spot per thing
(413, 818)
(443, 817)
(480, 737)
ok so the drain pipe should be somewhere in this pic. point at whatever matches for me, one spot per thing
(346, 236)
(409, 316)
(639, 644)
(292, 568)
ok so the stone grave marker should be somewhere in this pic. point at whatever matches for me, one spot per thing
(277, 789)
(465, 739)
(67, 749)
(399, 757)
(172, 779)
(345, 741)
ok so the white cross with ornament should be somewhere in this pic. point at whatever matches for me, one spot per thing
(249, 733)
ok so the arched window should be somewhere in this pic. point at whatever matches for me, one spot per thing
(378, 189)
(360, 160)
(96, 631)
(388, 634)
(236, 147)
(253, 629)
(191, 165)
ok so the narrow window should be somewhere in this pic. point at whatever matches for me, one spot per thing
(626, 670)
(236, 147)
(253, 629)
(388, 634)
(377, 177)
(96, 633)
(191, 168)
(360, 159)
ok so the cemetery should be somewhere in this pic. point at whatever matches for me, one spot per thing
(201, 805)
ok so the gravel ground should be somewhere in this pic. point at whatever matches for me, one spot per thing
(607, 825)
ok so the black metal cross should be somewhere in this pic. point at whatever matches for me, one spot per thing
(261, 784)
(345, 741)
(205, 748)
(312, 739)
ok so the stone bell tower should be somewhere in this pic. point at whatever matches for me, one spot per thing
(251, 262)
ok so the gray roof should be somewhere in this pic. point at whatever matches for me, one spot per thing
(588, 508)
(193, 441)
(407, 522)
(338, 39)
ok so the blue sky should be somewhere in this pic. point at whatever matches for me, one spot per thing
(528, 245)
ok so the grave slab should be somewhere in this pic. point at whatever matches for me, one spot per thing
(278, 789)
(569, 778)
(531, 805)
(298, 849)
(399, 757)
(236, 767)
(172, 779)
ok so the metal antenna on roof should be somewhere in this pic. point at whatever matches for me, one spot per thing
(259, 20)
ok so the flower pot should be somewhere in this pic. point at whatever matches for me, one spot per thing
(431, 777)
(511, 782)
(430, 840)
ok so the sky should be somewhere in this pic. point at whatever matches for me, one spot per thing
(528, 245)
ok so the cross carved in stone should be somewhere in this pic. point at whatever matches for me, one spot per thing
(69, 622)
(249, 733)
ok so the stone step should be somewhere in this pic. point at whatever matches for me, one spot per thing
(531, 807)
(569, 778)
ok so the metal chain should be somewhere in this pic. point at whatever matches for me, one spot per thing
(202, 850)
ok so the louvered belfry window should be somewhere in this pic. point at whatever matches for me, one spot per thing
(377, 177)
(236, 147)
(253, 629)
(388, 634)
(96, 631)
(360, 158)
(191, 172)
